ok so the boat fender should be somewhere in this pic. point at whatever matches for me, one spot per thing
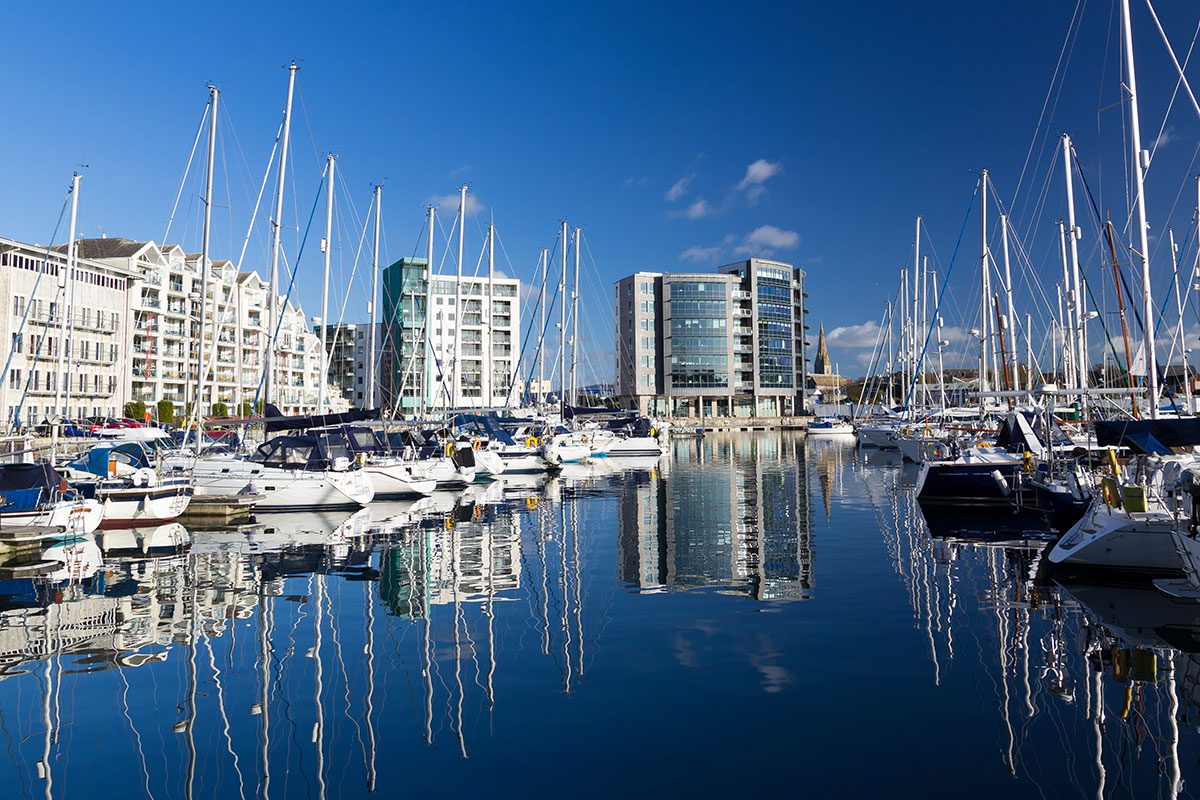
(1110, 456)
(1005, 489)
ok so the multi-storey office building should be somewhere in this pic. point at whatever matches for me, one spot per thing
(164, 317)
(93, 379)
(484, 335)
(729, 343)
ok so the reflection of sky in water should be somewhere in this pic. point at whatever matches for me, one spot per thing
(748, 614)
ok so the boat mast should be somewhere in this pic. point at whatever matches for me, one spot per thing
(1187, 383)
(890, 365)
(1141, 160)
(985, 290)
(326, 247)
(1008, 292)
(1075, 300)
(66, 286)
(562, 324)
(456, 392)
(276, 228)
(941, 363)
(541, 351)
(916, 305)
(372, 305)
(1064, 312)
(575, 323)
(426, 350)
(489, 392)
(214, 94)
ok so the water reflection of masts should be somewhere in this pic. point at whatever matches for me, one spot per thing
(216, 673)
(1173, 721)
(427, 644)
(370, 695)
(541, 518)
(44, 771)
(265, 614)
(318, 734)
(1002, 654)
(566, 628)
(190, 722)
(454, 576)
(578, 584)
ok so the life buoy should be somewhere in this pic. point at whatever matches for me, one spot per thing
(450, 523)
(531, 503)
(532, 441)
(478, 444)
(477, 512)
(584, 438)
(450, 449)
(1109, 491)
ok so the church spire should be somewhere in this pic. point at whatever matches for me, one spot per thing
(821, 364)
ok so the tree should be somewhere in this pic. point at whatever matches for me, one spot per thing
(247, 409)
(219, 409)
(135, 409)
(166, 412)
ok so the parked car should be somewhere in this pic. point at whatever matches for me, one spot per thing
(131, 422)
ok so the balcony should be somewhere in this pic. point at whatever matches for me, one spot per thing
(741, 294)
(151, 302)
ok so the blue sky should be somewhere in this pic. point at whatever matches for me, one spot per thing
(678, 135)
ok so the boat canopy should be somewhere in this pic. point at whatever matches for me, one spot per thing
(95, 461)
(301, 452)
(487, 426)
(23, 487)
(570, 412)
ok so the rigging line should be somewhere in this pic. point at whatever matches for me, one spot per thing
(29, 307)
(186, 169)
(919, 367)
(258, 201)
(541, 340)
(1174, 60)
(337, 331)
(286, 299)
(1083, 272)
(1050, 90)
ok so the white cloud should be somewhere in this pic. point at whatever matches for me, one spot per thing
(766, 239)
(450, 202)
(700, 255)
(759, 173)
(699, 208)
(862, 335)
(1167, 136)
(680, 187)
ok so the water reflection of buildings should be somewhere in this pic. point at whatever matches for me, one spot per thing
(735, 514)
(122, 609)
(445, 560)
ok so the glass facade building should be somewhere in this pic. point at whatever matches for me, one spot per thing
(725, 344)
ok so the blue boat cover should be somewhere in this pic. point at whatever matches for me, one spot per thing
(96, 460)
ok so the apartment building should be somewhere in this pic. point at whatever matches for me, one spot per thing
(44, 377)
(484, 334)
(164, 317)
(724, 343)
(348, 345)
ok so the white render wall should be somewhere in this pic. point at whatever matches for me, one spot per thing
(98, 364)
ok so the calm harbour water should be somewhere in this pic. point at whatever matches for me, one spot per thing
(750, 613)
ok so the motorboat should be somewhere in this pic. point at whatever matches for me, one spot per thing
(122, 478)
(830, 426)
(292, 472)
(36, 496)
